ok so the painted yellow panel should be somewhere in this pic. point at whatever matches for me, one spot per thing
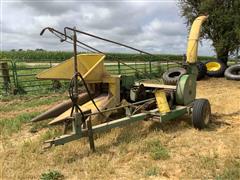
(162, 101)
(90, 66)
(193, 38)
(114, 86)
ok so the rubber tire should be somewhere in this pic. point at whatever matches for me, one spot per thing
(200, 108)
(218, 73)
(202, 70)
(233, 72)
(171, 76)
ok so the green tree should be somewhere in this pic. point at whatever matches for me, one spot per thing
(222, 26)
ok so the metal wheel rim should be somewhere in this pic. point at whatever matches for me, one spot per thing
(213, 66)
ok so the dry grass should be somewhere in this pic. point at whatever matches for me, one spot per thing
(130, 152)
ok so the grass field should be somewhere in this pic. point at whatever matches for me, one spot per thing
(36, 56)
(173, 150)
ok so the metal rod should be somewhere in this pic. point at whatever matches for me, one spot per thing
(90, 135)
(107, 40)
(113, 109)
(75, 68)
(52, 30)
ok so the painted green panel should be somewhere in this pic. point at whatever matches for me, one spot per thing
(186, 89)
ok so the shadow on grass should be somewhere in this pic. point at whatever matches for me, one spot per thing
(185, 122)
(130, 134)
(179, 124)
(216, 123)
(136, 132)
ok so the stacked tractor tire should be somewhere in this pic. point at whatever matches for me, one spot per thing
(233, 72)
(216, 68)
(211, 68)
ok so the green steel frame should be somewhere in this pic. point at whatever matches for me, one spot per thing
(78, 132)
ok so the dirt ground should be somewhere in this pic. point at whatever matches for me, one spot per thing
(124, 153)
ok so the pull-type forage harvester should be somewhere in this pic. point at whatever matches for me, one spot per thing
(107, 94)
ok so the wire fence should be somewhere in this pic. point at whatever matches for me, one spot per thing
(20, 77)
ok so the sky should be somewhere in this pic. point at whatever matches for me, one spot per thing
(153, 26)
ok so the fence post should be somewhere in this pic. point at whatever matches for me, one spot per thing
(119, 68)
(135, 66)
(5, 75)
(50, 63)
(145, 67)
(150, 67)
(160, 68)
(15, 75)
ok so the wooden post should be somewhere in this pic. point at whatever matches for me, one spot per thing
(5, 74)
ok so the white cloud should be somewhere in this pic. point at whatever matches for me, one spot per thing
(168, 28)
(44, 21)
(152, 26)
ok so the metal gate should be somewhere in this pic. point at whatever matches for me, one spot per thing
(18, 77)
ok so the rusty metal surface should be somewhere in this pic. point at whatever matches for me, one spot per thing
(60, 108)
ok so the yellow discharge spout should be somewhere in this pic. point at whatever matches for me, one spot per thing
(194, 34)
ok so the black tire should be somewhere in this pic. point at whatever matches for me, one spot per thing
(171, 76)
(233, 72)
(218, 70)
(201, 113)
(202, 70)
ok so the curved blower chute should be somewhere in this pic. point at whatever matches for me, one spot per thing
(186, 86)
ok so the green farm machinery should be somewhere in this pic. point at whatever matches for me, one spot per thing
(106, 96)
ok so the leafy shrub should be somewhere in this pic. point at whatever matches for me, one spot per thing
(51, 175)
